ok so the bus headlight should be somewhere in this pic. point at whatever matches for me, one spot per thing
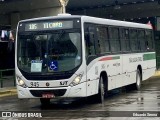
(21, 82)
(76, 80)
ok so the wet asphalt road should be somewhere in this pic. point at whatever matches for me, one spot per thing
(119, 103)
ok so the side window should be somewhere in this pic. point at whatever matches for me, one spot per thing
(114, 39)
(103, 41)
(149, 40)
(133, 39)
(89, 39)
(141, 40)
(124, 36)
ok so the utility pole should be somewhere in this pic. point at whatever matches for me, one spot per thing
(64, 4)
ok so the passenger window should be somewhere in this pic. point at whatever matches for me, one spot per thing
(124, 36)
(103, 41)
(133, 40)
(114, 39)
(149, 40)
(141, 40)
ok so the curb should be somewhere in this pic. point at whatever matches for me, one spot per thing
(157, 73)
(8, 92)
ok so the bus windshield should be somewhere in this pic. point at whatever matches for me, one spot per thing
(49, 51)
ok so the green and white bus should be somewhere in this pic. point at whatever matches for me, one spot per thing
(68, 56)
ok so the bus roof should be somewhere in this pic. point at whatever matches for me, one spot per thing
(115, 22)
(95, 20)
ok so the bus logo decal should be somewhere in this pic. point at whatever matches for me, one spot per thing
(149, 56)
(63, 82)
(53, 65)
(47, 84)
(110, 58)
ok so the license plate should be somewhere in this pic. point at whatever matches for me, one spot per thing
(48, 95)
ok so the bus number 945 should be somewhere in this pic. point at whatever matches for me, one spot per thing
(34, 84)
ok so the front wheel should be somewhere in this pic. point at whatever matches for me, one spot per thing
(101, 91)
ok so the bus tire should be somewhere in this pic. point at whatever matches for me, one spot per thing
(101, 91)
(45, 101)
(138, 83)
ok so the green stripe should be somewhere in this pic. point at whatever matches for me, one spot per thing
(150, 56)
(115, 57)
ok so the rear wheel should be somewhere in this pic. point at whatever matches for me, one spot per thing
(137, 85)
(45, 101)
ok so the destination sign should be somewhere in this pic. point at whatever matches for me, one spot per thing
(39, 26)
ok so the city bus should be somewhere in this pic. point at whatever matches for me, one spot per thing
(73, 56)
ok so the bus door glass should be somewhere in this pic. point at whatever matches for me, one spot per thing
(90, 39)
(90, 43)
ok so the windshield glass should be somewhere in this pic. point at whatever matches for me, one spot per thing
(49, 52)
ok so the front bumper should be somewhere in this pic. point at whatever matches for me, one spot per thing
(75, 91)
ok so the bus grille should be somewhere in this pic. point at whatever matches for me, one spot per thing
(38, 93)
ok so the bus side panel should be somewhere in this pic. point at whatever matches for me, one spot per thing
(114, 72)
(92, 78)
(150, 62)
(112, 65)
(130, 64)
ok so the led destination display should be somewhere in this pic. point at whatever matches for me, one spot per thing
(48, 25)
